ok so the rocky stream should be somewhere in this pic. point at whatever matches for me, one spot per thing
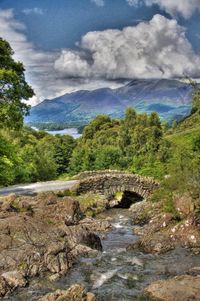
(116, 267)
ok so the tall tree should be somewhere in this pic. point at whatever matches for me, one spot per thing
(13, 89)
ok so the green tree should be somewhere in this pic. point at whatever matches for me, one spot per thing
(78, 160)
(44, 161)
(101, 121)
(27, 169)
(13, 89)
(108, 157)
(8, 161)
(64, 146)
(154, 120)
(126, 132)
(195, 97)
(130, 118)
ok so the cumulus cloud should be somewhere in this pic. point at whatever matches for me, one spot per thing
(98, 2)
(35, 10)
(154, 49)
(39, 65)
(184, 7)
(173, 7)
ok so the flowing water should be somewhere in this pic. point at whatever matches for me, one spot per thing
(117, 273)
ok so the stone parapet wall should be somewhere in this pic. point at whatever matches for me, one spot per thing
(93, 173)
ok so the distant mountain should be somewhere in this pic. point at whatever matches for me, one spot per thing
(170, 98)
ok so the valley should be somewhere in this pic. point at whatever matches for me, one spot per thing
(170, 98)
(100, 187)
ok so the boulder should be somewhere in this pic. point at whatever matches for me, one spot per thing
(181, 288)
(160, 232)
(194, 271)
(4, 287)
(10, 281)
(92, 240)
(15, 279)
(144, 211)
(45, 242)
(74, 293)
(56, 258)
(95, 225)
(80, 234)
(184, 204)
(73, 213)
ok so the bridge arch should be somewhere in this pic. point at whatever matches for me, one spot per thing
(111, 182)
(124, 200)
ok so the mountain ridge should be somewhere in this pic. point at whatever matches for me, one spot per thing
(170, 98)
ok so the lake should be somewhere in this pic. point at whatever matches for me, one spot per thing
(71, 131)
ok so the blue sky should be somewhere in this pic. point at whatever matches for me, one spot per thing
(68, 45)
(63, 22)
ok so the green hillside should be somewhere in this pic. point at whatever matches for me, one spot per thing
(186, 131)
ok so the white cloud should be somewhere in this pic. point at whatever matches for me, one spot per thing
(184, 7)
(98, 2)
(39, 65)
(133, 2)
(35, 10)
(154, 49)
(173, 7)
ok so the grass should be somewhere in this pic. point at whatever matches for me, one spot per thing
(66, 192)
(186, 131)
(19, 209)
(184, 138)
(118, 195)
(64, 177)
(92, 204)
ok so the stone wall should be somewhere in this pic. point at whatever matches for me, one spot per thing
(110, 182)
(92, 173)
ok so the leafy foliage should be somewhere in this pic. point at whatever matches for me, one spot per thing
(135, 143)
(196, 98)
(183, 168)
(138, 143)
(13, 89)
(29, 156)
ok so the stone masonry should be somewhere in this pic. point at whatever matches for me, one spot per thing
(110, 182)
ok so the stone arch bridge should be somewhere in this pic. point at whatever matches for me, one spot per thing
(110, 182)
